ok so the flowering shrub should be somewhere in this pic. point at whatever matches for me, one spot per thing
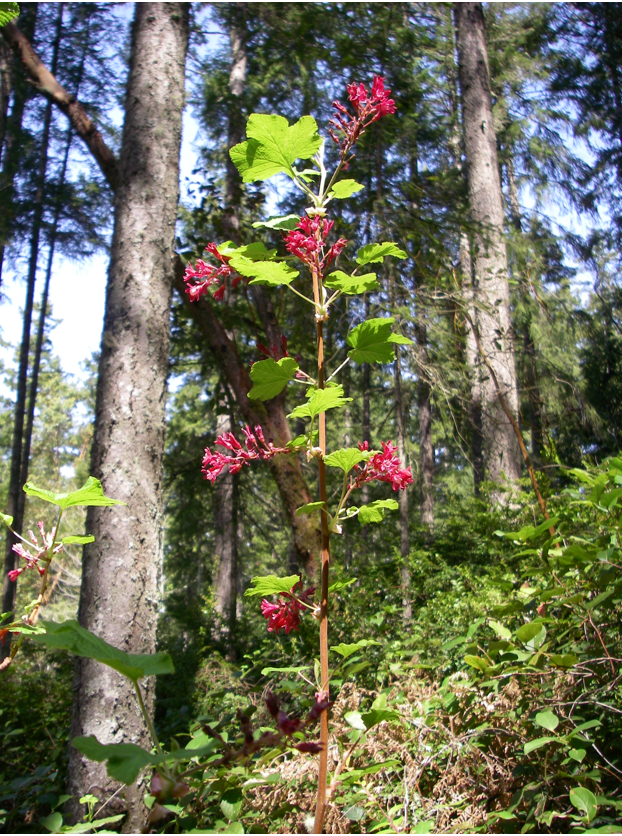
(272, 148)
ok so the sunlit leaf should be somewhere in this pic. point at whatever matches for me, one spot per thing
(271, 585)
(91, 493)
(270, 377)
(345, 188)
(373, 253)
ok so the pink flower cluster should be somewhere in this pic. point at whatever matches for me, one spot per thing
(208, 276)
(307, 242)
(369, 107)
(32, 560)
(385, 467)
(285, 615)
(256, 448)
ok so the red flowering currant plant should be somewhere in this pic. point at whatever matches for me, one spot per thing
(309, 270)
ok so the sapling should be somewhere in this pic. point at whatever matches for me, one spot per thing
(272, 148)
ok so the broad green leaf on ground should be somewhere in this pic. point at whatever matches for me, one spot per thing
(477, 662)
(371, 341)
(585, 801)
(309, 508)
(528, 631)
(231, 803)
(379, 715)
(72, 637)
(339, 585)
(372, 253)
(351, 285)
(529, 532)
(500, 630)
(287, 222)
(320, 401)
(273, 146)
(345, 188)
(87, 826)
(78, 539)
(91, 493)
(8, 11)
(346, 650)
(538, 743)
(547, 720)
(271, 585)
(124, 760)
(54, 821)
(270, 377)
(272, 273)
(374, 512)
(347, 457)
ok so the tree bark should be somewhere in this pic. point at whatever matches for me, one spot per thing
(6, 85)
(121, 569)
(491, 289)
(19, 453)
(400, 430)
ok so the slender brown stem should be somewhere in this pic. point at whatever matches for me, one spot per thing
(323, 771)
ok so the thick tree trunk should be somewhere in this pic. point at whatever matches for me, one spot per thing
(121, 569)
(19, 453)
(6, 85)
(491, 289)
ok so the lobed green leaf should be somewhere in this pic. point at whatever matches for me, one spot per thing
(273, 146)
(91, 493)
(372, 341)
(271, 585)
(345, 188)
(351, 285)
(76, 639)
(373, 253)
(270, 377)
(321, 400)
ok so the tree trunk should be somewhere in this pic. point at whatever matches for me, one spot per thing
(121, 570)
(491, 289)
(19, 454)
(6, 85)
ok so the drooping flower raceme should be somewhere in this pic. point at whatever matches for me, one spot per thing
(369, 107)
(256, 448)
(205, 276)
(33, 561)
(383, 467)
(285, 614)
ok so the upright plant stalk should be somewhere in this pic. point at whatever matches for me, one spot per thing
(325, 566)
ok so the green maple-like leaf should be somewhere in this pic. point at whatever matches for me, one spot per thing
(287, 222)
(270, 377)
(347, 458)
(273, 273)
(346, 650)
(320, 401)
(351, 285)
(273, 146)
(372, 253)
(310, 508)
(77, 640)
(372, 341)
(271, 585)
(374, 512)
(91, 493)
(345, 188)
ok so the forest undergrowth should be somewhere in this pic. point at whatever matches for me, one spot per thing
(497, 709)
